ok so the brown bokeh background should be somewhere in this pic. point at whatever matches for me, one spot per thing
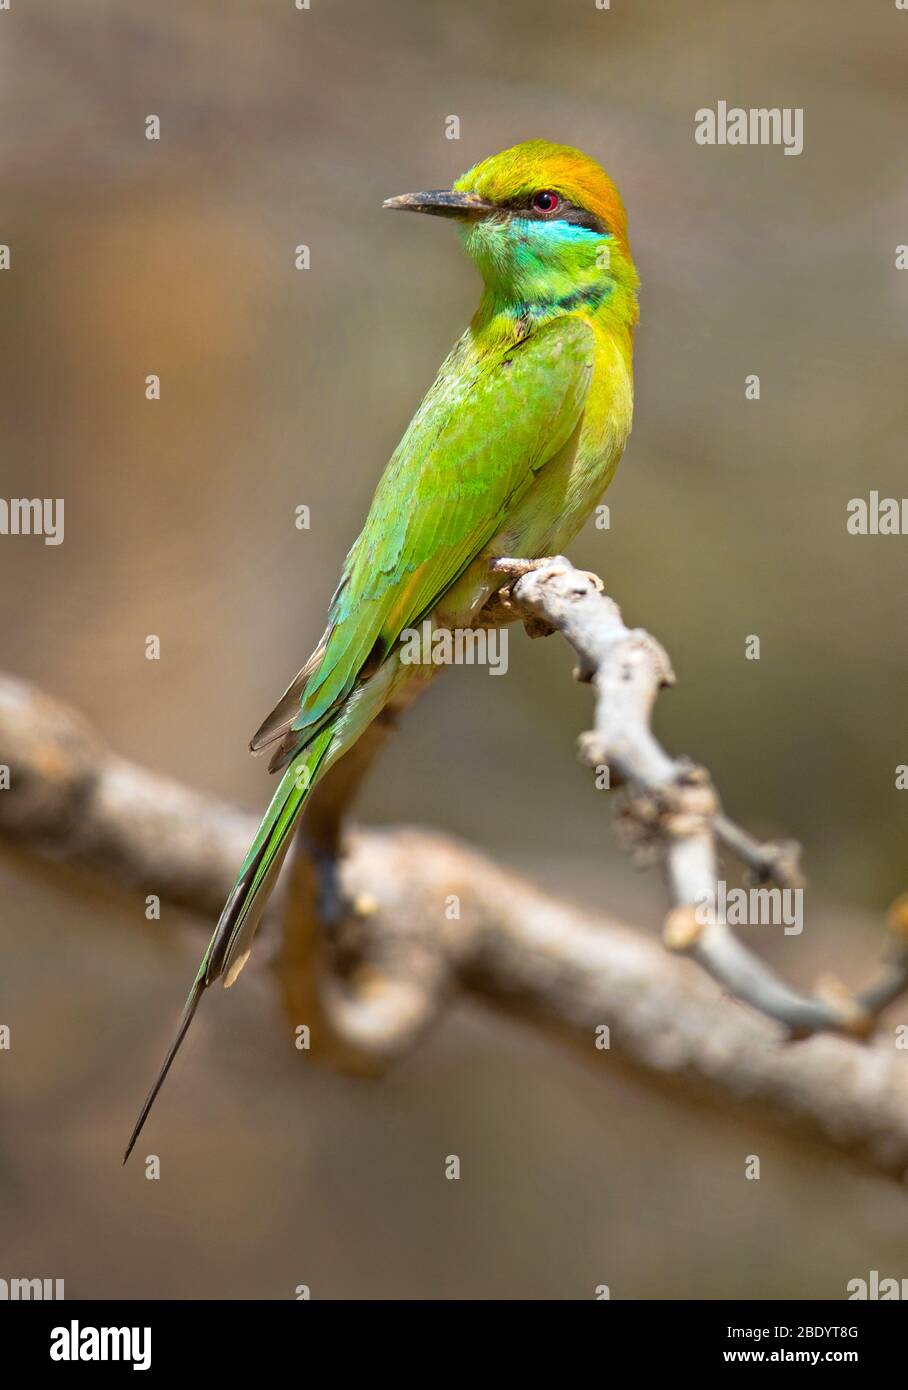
(282, 388)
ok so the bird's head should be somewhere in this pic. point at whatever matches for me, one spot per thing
(543, 223)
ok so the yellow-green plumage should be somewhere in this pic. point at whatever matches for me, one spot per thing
(511, 449)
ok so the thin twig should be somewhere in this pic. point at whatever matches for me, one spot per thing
(671, 803)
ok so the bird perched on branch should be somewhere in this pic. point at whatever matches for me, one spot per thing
(511, 449)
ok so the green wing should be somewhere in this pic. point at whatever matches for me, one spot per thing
(481, 433)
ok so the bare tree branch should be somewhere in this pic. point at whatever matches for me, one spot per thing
(376, 940)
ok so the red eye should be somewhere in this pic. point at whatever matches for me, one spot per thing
(546, 201)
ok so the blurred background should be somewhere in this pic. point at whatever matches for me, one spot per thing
(282, 388)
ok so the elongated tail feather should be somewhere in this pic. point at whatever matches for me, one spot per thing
(192, 1003)
(229, 945)
(242, 912)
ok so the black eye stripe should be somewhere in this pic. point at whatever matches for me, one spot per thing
(564, 212)
(580, 217)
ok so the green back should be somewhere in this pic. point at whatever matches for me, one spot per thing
(487, 424)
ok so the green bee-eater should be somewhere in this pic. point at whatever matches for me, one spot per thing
(512, 447)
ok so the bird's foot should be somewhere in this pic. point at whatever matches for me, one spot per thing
(501, 609)
(516, 569)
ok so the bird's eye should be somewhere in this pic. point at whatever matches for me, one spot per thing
(546, 201)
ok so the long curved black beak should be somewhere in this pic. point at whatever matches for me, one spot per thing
(442, 203)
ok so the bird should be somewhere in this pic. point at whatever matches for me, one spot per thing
(508, 454)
